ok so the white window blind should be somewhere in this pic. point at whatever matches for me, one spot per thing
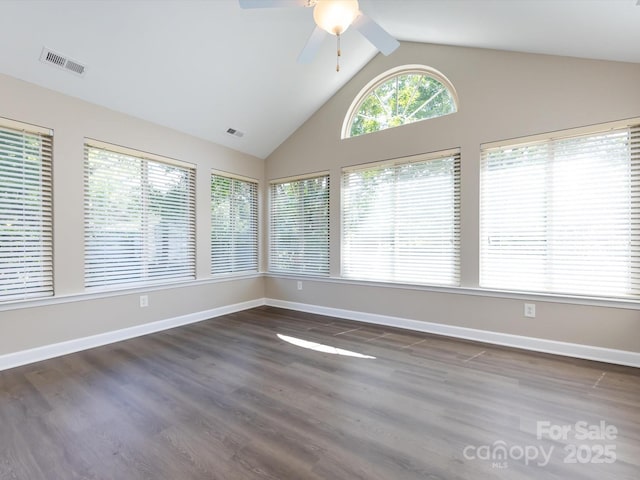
(563, 215)
(25, 214)
(299, 226)
(234, 225)
(139, 219)
(401, 221)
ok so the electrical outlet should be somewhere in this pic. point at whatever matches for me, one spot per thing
(144, 300)
(299, 285)
(530, 310)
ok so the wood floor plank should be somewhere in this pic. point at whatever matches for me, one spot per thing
(228, 399)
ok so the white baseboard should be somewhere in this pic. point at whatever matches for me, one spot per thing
(24, 357)
(588, 352)
(620, 357)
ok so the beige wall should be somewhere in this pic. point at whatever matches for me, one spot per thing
(72, 120)
(502, 95)
(616, 328)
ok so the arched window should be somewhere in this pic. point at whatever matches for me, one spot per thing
(399, 96)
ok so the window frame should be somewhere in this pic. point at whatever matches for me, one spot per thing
(255, 206)
(549, 139)
(454, 153)
(384, 77)
(45, 286)
(144, 157)
(270, 249)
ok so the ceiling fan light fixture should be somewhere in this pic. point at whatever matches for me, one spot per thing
(335, 16)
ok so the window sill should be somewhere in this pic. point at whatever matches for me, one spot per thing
(475, 291)
(99, 292)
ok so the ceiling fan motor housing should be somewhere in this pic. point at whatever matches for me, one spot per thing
(335, 16)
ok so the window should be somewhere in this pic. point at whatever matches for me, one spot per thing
(234, 225)
(139, 217)
(25, 212)
(299, 228)
(562, 215)
(401, 220)
(398, 97)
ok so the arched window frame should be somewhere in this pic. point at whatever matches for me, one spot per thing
(385, 77)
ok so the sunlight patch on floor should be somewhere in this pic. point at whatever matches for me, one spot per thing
(318, 347)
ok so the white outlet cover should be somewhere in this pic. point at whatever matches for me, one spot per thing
(530, 310)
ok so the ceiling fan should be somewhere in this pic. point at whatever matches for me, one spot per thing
(334, 17)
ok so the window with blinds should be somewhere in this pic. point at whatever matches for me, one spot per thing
(26, 261)
(299, 226)
(234, 225)
(562, 215)
(401, 220)
(139, 218)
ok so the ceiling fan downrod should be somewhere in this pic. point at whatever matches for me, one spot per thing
(339, 54)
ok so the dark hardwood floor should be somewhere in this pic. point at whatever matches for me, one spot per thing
(229, 399)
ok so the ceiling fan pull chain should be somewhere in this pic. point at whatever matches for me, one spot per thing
(339, 54)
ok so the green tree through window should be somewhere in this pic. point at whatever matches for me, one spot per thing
(139, 219)
(403, 98)
(234, 225)
(299, 226)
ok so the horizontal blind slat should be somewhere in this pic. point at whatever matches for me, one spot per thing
(234, 225)
(401, 222)
(139, 219)
(562, 215)
(26, 256)
(299, 226)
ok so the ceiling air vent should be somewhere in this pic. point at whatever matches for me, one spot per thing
(61, 61)
(234, 132)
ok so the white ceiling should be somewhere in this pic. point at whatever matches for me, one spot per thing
(202, 66)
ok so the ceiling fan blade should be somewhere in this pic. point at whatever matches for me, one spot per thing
(272, 3)
(377, 35)
(314, 43)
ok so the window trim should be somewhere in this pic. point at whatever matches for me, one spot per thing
(141, 154)
(25, 127)
(386, 76)
(234, 176)
(604, 302)
(294, 178)
(565, 299)
(549, 137)
(561, 134)
(146, 157)
(46, 135)
(417, 158)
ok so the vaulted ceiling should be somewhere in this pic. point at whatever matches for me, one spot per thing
(203, 66)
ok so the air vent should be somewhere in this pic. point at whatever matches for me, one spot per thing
(235, 133)
(62, 61)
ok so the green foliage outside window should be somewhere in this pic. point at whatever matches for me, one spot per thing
(403, 99)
